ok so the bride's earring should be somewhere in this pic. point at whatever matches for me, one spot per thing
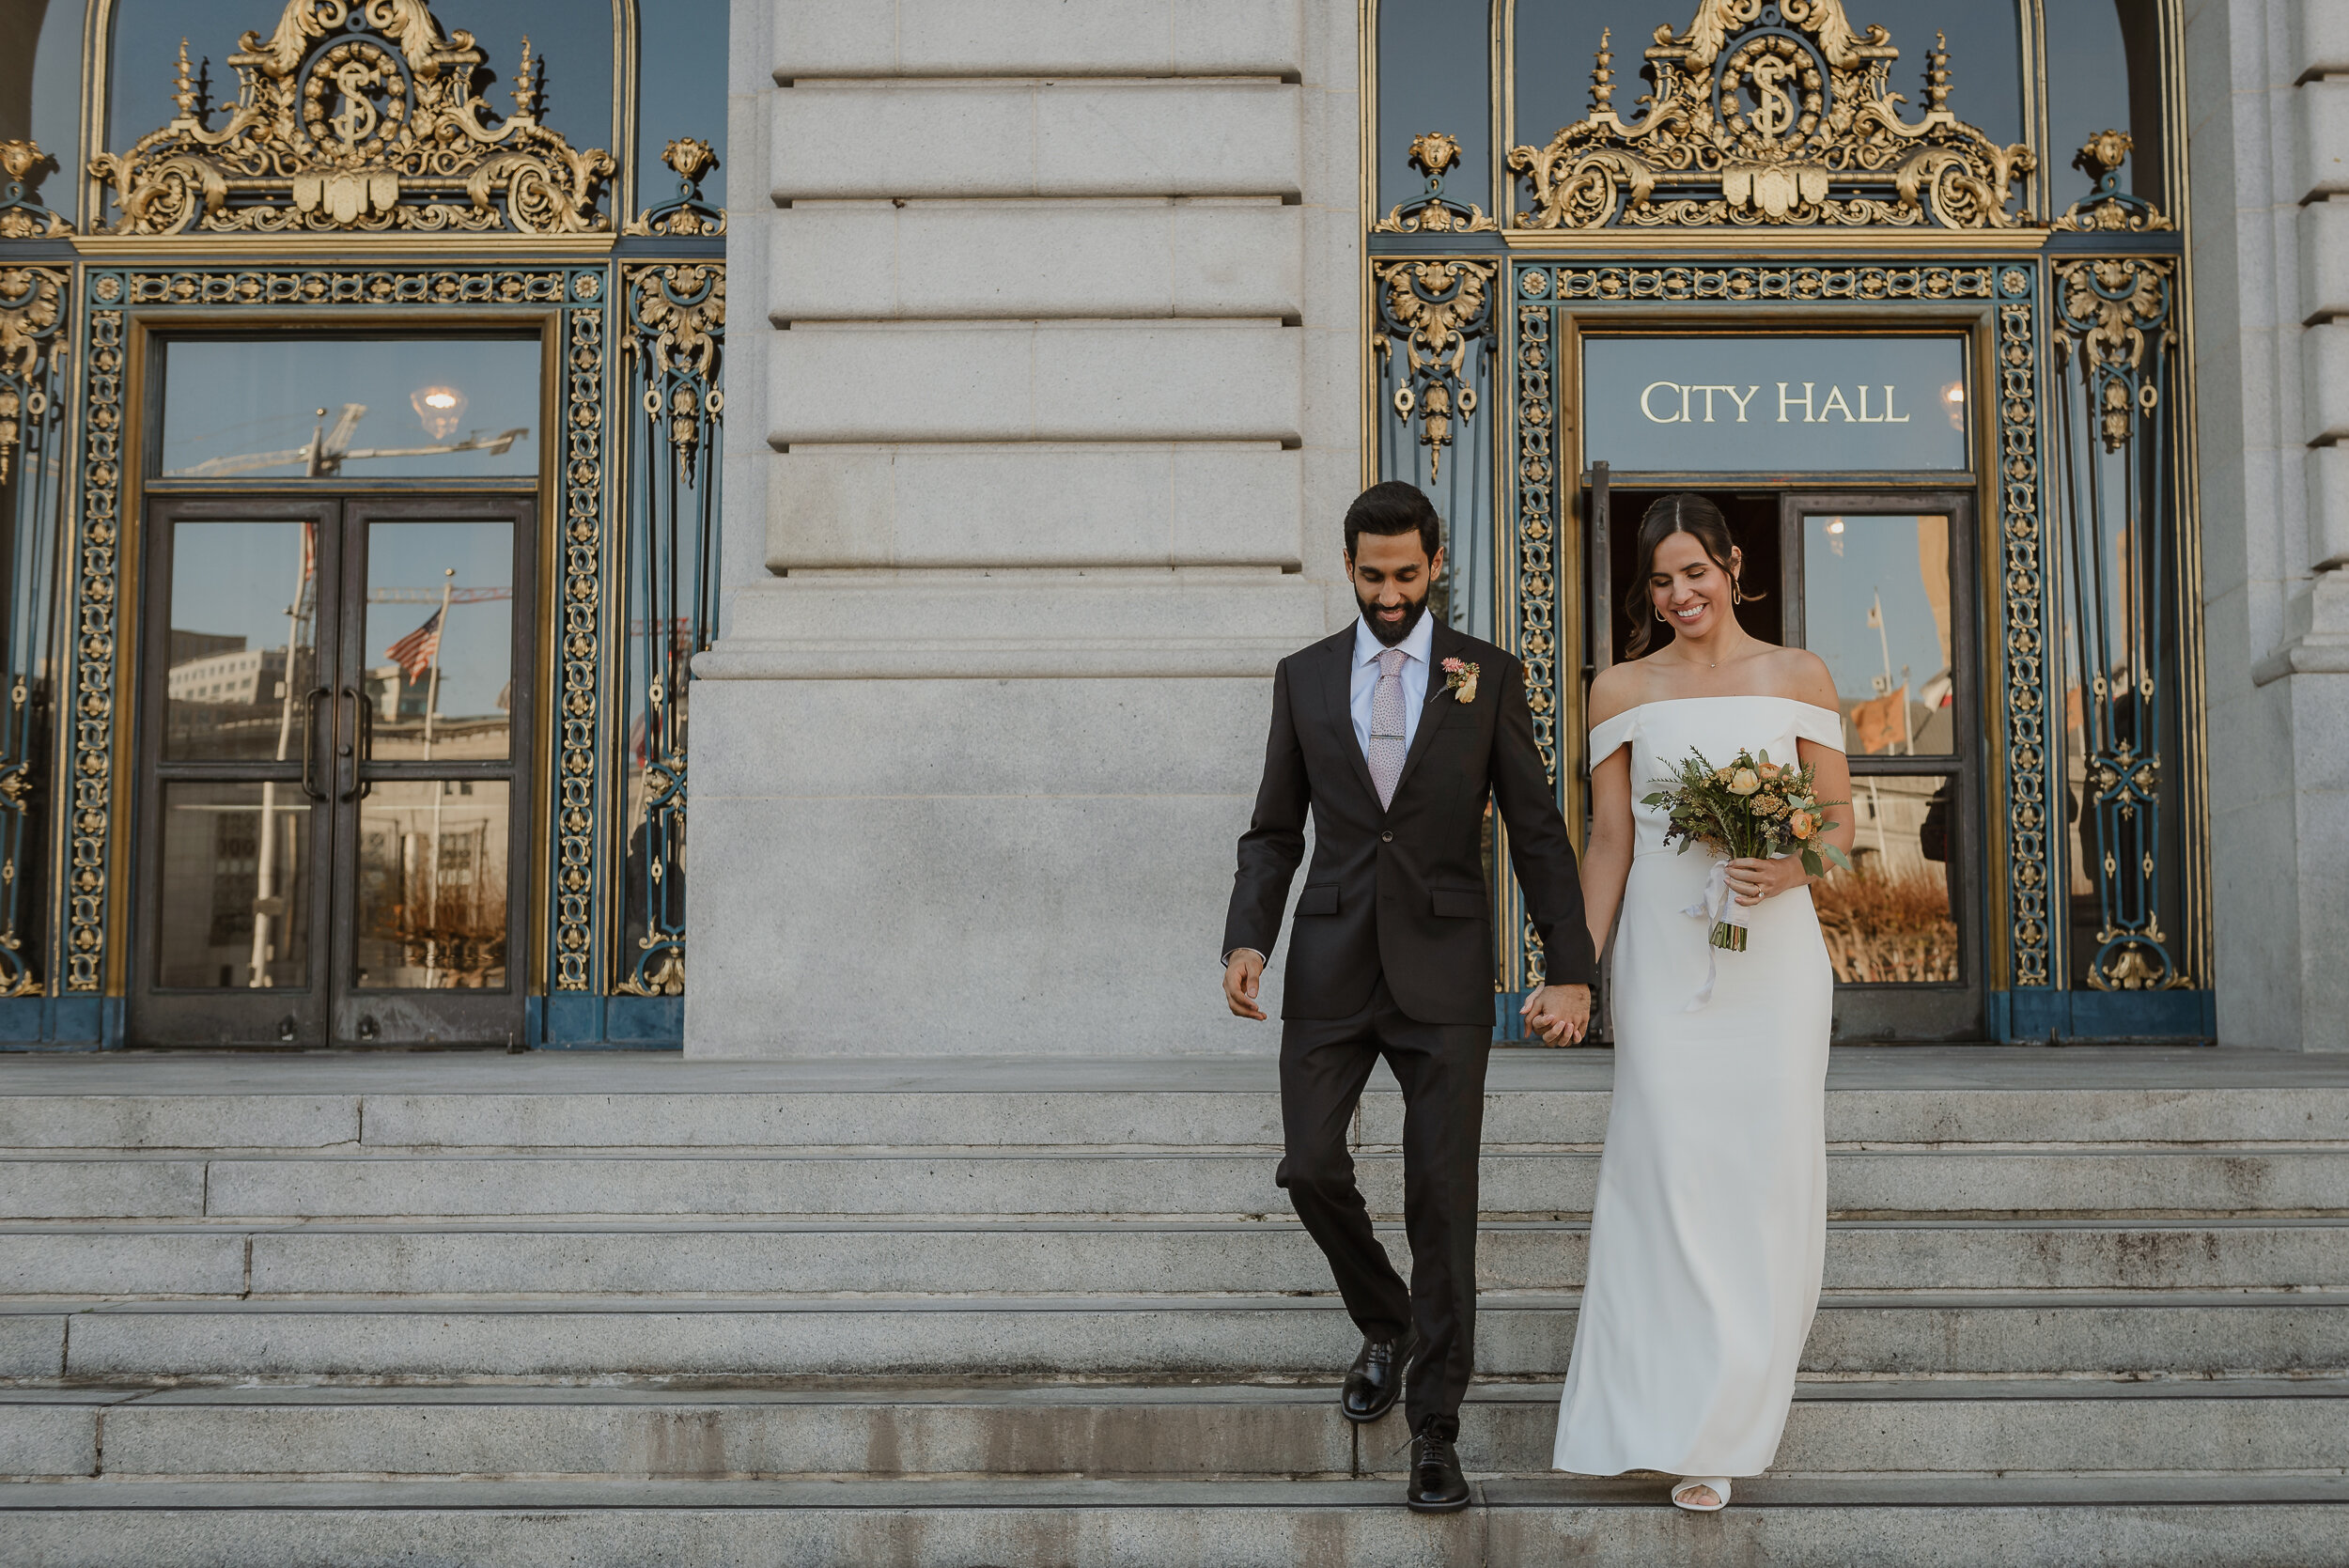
(1661, 616)
(1736, 591)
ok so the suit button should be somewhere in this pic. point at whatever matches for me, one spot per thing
(1386, 838)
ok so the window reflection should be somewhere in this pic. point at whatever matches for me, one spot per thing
(1889, 918)
(1876, 607)
(244, 649)
(236, 879)
(350, 408)
(432, 881)
(438, 640)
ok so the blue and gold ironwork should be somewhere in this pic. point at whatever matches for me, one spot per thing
(675, 332)
(367, 119)
(2108, 208)
(1432, 153)
(2115, 349)
(1532, 632)
(580, 297)
(22, 216)
(686, 216)
(2030, 758)
(34, 331)
(2008, 289)
(94, 551)
(1758, 121)
(358, 117)
(1439, 311)
(1771, 112)
(579, 773)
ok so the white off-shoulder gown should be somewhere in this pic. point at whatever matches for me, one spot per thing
(1709, 1230)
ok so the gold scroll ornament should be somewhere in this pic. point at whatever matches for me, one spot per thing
(373, 126)
(1798, 125)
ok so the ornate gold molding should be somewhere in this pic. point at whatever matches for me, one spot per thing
(31, 301)
(20, 216)
(2111, 305)
(94, 629)
(1437, 309)
(356, 116)
(688, 217)
(2108, 208)
(1771, 112)
(1432, 152)
(579, 654)
(679, 310)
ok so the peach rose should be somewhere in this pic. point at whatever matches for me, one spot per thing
(1802, 824)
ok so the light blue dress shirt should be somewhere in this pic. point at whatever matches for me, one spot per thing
(1421, 646)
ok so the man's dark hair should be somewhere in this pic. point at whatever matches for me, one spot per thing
(1393, 507)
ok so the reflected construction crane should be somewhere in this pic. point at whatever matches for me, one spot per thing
(323, 455)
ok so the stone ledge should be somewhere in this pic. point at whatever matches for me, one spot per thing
(1030, 381)
(1036, 38)
(948, 138)
(1140, 257)
(1096, 504)
(742, 659)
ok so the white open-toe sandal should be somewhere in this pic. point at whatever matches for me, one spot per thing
(1720, 1485)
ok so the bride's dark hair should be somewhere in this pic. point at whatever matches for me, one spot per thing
(1682, 512)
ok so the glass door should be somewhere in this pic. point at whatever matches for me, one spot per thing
(332, 771)
(1880, 587)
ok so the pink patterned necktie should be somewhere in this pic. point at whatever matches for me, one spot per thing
(1385, 754)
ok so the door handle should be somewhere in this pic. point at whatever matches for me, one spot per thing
(367, 743)
(360, 746)
(309, 741)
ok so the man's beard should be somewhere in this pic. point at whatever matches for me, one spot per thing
(1392, 634)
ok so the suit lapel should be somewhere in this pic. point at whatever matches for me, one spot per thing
(1337, 697)
(1441, 646)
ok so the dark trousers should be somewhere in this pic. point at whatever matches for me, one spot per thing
(1324, 1065)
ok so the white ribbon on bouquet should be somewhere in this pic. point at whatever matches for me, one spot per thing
(1717, 906)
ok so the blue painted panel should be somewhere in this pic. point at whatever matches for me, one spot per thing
(654, 1022)
(2029, 1016)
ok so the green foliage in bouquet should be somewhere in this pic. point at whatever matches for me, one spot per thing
(1753, 809)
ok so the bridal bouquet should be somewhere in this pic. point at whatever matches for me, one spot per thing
(1753, 809)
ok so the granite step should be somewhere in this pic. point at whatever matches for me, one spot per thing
(2094, 1521)
(1888, 1096)
(2223, 1180)
(770, 1258)
(1216, 1337)
(1877, 1426)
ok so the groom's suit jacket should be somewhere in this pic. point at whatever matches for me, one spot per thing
(1400, 890)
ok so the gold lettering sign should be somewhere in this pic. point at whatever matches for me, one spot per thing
(1770, 403)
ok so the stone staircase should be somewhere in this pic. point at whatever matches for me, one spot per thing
(2082, 1306)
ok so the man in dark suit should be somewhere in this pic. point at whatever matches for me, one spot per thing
(1396, 733)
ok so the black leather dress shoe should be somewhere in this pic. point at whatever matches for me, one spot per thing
(1437, 1485)
(1376, 1379)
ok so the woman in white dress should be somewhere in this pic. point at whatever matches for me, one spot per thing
(1710, 1226)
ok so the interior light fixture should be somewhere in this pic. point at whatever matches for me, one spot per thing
(441, 408)
(1953, 404)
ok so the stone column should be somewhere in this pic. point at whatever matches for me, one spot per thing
(2268, 102)
(1059, 377)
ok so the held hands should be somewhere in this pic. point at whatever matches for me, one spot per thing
(1752, 881)
(1560, 1014)
(1242, 977)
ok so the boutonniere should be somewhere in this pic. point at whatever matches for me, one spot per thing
(1459, 678)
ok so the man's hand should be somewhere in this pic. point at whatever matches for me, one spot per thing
(1560, 1014)
(1244, 974)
